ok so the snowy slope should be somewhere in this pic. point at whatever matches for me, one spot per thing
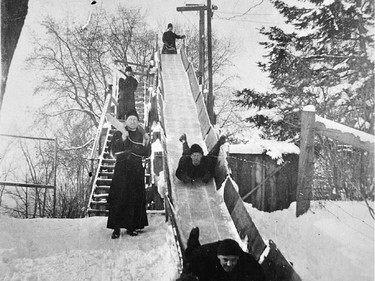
(81, 249)
(334, 241)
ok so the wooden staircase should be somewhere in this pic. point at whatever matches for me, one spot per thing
(103, 178)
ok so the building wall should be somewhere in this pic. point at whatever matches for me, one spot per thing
(249, 170)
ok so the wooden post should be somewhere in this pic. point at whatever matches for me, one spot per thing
(210, 97)
(202, 8)
(201, 48)
(306, 161)
(54, 180)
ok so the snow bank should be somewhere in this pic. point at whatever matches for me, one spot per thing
(81, 249)
(333, 241)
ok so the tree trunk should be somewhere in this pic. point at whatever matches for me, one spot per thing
(13, 13)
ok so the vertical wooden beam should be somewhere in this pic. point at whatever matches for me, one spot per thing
(210, 98)
(306, 161)
(201, 48)
(55, 179)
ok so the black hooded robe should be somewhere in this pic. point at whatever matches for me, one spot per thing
(127, 195)
(126, 98)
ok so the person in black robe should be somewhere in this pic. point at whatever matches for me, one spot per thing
(126, 97)
(169, 40)
(223, 260)
(193, 165)
(127, 195)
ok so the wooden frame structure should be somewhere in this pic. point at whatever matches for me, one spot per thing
(20, 184)
(310, 125)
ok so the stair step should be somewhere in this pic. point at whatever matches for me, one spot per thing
(95, 212)
(109, 161)
(100, 205)
(107, 168)
(101, 181)
(106, 174)
(101, 196)
(102, 189)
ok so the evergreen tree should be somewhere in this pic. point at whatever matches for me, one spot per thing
(327, 61)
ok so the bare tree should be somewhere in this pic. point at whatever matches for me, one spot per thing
(76, 65)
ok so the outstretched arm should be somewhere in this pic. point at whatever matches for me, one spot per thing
(180, 36)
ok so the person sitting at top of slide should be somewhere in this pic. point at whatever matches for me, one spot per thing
(169, 40)
(194, 165)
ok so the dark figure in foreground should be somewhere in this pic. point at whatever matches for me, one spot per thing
(127, 195)
(126, 98)
(169, 40)
(219, 261)
(194, 165)
(188, 278)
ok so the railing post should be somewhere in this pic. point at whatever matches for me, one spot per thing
(306, 161)
(54, 180)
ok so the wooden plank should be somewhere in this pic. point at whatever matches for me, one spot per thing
(259, 176)
(32, 185)
(26, 137)
(184, 58)
(264, 180)
(344, 134)
(306, 163)
(211, 138)
(270, 191)
(204, 121)
(193, 81)
(116, 123)
(100, 126)
(277, 267)
(192, 8)
(244, 224)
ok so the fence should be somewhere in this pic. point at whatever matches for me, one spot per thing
(263, 183)
(312, 124)
(36, 186)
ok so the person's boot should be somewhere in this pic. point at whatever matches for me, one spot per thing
(193, 240)
(131, 232)
(116, 233)
(182, 138)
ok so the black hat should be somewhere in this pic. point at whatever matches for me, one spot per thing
(129, 68)
(131, 112)
(229, 247)
(196, 148)
(170, 25)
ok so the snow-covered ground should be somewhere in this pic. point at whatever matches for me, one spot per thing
(81, 249)
(334, 241)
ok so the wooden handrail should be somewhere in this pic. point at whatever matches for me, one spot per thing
(344, 134)
(106, 106)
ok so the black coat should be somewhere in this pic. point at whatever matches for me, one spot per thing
(186, 171)
(126, 97)
(127, 196)
(203, 263)
(169, 40)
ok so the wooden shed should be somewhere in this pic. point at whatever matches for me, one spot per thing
(266, 173)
